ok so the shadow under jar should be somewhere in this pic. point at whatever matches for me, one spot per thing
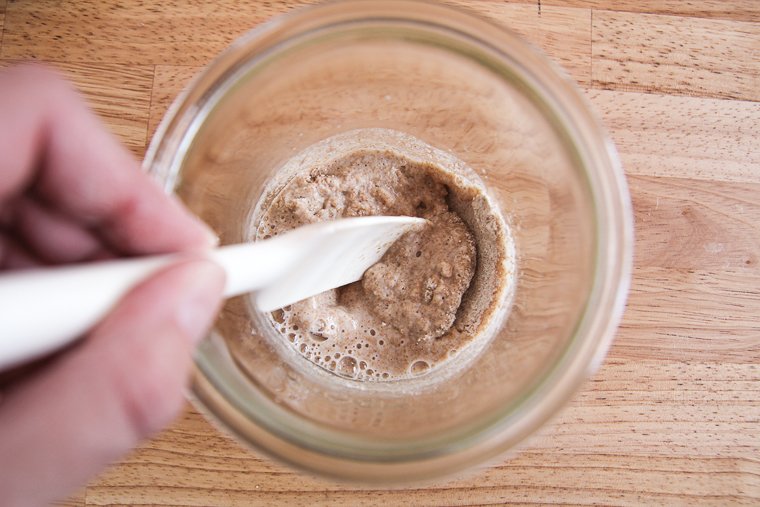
(470, 89)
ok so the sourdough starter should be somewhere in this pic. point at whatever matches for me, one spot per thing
(431, 294)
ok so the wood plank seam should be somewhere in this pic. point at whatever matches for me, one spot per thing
(729, 10)
(591, 50)
(148, 133)
(2, 27)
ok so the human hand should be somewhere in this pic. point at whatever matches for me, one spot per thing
(69, 193)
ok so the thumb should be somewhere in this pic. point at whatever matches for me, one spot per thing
(144, 347)
(122, 383)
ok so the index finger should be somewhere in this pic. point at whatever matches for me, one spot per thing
(55, 147)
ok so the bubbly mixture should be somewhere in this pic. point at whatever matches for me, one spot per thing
(430, 294)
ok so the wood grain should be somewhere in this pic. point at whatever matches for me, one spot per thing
(134, 33)
(562, 33)
(663, 135)
(687, 225)
(168, 82)
(120, 95)
(675, 55)
(167, 33)
(76, 500)
(695, 293)
(672, 416)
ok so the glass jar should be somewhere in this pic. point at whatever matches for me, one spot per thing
(464, 86)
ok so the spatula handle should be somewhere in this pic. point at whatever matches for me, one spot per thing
(42, 310)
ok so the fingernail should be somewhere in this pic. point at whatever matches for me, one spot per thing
(201, 297)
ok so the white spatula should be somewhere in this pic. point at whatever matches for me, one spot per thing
(42, 310)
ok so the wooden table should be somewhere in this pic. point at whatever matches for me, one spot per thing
(673, 416)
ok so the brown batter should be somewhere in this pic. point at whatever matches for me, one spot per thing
(407, 314)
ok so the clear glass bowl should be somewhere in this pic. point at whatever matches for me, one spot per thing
(464, 86)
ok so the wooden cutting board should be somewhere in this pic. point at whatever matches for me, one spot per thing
(673, 416)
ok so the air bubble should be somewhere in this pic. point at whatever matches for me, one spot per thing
(385, 375)
(419, 367)
(337, 355)
(372, 332)
(333, 364)
(302, 348)
(362, 365)
(328, 358)
(370, 372)
(292, 337)
(317, 337)
(347, 366)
